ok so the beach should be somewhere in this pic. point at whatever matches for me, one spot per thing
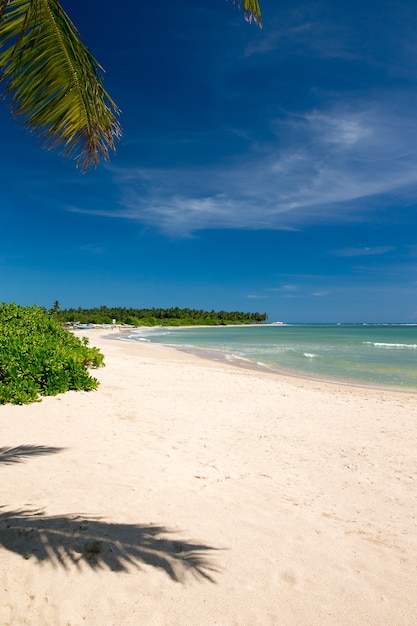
(190, 492)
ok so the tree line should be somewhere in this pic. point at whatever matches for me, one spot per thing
(173, 316)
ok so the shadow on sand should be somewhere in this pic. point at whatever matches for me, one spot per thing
(23, 453)
(70, 539)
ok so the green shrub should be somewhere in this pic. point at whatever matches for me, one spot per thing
(40, 358)
(132, 321)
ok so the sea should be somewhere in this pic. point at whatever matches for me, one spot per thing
(367, 354)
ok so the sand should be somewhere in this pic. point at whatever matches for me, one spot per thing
(189, 492)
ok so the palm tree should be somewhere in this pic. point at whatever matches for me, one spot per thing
(53, 82)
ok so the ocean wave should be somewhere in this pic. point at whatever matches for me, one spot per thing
(379, 344)
(237, 357)
(149, 333)
(309, 355)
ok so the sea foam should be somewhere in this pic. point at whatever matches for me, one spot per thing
(379, 344)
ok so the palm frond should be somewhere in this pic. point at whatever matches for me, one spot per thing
(53, 82)
(252, 10)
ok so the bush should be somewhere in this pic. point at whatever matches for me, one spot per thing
(132, 321)
(40, 358)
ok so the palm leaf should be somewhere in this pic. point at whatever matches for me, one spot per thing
(53, 81)
(252, 10)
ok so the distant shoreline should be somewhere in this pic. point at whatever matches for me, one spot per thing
(221, 356)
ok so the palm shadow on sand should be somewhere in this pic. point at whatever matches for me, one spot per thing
(18, 454)
(71, 539)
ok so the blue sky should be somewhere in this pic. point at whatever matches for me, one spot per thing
(269, 170)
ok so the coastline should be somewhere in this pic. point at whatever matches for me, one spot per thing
(218, 355)
(294, 497)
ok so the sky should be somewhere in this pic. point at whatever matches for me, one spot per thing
(270, 170)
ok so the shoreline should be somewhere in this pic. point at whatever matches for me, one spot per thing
(210, 354)
(188, 491)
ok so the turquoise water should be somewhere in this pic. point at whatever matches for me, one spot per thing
(376, 354)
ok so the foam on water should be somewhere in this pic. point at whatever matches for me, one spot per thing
(379, 344)
(378, 354)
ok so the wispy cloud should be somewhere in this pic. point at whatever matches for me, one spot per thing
(93, 248)
(285, 288)
(340, 130)
(321, 166)
(287, 291)
(384, 38)
(363, 251)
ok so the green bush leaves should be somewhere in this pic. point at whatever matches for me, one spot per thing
(40, 358)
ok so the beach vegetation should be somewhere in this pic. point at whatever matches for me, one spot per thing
(38, 357)
(173, 316)
(53, 83)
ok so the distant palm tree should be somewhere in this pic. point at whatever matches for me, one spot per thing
(53, 81)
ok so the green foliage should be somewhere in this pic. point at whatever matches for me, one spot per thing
(156, 316)
(54, 82)
(40, 358)
(133, 321)
(252, 10)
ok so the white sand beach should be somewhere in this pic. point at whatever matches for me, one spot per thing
(189, 492)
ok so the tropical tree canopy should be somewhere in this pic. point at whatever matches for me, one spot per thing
(53, 82)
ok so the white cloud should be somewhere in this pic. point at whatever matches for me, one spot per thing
(285, 288)
(323, 166)
(340, 130)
